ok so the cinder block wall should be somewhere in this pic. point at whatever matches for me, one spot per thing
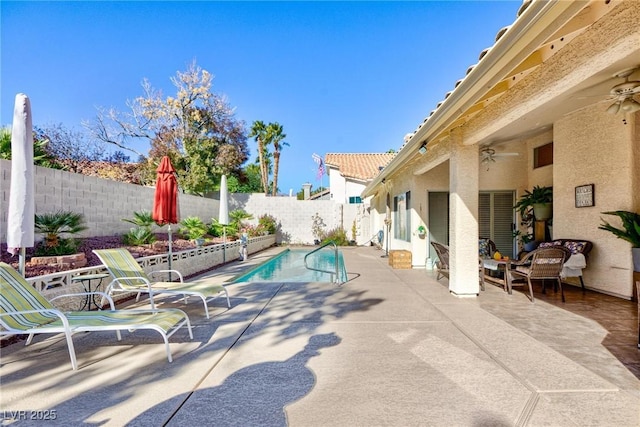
(104, 203)
(294, 216)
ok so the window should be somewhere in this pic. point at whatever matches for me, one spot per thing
(496, 219)
(543, 155)
(355, 200)
(402, 216)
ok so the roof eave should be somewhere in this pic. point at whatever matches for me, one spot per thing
(537, 22)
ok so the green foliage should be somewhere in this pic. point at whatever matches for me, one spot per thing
(193, 228)
(338, 235)
(41, 152)
(217, 230)
(141, 234)
(535, 196)
(67, 246)
(141, 219)
(138, 236)
(267, 223)
(276, 136)
(196, 128)
(236, 218)
(630, 230)
(266, 136)
(52, 226)
(524, 206)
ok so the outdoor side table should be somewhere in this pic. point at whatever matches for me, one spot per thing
(86, 279)
(503, 265)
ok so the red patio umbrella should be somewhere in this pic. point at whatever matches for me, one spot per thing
(165, 202)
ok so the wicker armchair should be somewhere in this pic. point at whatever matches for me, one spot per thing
(541, 264)
(443, 260)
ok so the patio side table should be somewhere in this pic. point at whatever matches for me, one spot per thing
(501, 265)
(85, 280)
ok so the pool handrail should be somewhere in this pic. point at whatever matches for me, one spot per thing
(337, 272)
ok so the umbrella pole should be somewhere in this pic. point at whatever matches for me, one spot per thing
(224, 244)
(170, 251)
(21, 261)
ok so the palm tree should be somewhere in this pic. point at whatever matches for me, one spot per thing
(52, 225)
(41, 156)
(276, 136)
(259, 132)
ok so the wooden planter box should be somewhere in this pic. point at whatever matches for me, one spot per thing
(400, 259)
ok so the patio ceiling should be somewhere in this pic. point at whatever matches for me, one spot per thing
(540, 32)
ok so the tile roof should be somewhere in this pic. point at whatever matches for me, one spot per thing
(363, 166)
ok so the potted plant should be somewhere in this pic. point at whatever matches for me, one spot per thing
(527, 240)
(539, 200)
(630, 232)
(422, 231)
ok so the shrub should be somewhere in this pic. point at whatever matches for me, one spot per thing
(338, 235)
(52, 226)
(138, 236)
(216, 229)
(193, 228)
(141, 235)
(236, 218)
(266, 223)
(141, 219)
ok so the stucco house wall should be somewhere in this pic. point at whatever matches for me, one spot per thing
(337, 184)
(595, 147)
(542, 176)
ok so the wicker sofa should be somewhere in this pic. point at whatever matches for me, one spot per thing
(574, 245)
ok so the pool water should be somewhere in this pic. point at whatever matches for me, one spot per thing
(289, 267)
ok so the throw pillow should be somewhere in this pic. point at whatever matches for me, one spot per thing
(549, 244)
(575, 247)
(484, 250)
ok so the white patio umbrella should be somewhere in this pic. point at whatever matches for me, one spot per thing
(20, 219)
(223, 216)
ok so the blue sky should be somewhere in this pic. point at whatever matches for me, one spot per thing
(339, 76)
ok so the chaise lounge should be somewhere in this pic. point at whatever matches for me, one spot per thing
(129, 277)
(23, 310)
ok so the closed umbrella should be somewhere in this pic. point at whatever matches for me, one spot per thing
(223, 217)
(20, 220)
(165, 202)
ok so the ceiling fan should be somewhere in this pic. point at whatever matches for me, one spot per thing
(623, 93)
(488, 156)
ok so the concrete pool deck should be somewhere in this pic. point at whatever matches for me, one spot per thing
(390, 347)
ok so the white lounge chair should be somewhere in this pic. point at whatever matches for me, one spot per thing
(128, 276)
(23, 310)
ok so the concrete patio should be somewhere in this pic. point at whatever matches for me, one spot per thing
(390, 347)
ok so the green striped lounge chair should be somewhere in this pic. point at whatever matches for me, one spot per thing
(23, 310)
(128, 276)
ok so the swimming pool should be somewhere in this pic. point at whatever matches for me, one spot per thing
(289, 267)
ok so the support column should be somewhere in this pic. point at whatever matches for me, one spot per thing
(463, 218)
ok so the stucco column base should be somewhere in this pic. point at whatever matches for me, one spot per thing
(457, 295)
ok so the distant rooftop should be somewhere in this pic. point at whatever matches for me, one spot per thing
(362, 166)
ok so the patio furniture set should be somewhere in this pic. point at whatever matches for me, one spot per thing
(555, 260)
(23, 310)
